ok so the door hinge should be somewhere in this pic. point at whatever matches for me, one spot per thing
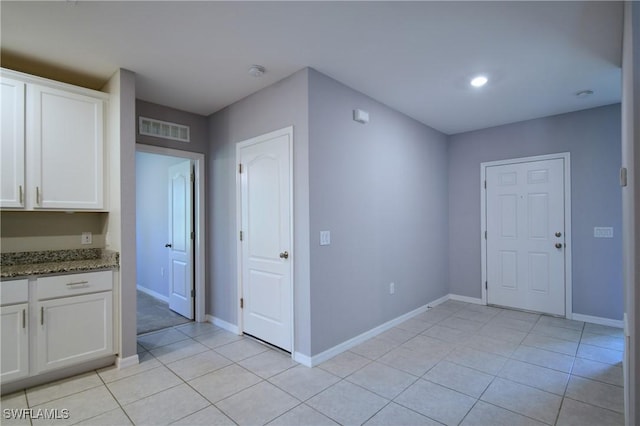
(193, 235)
(241, 303)
(623, 177)
(193, 177)
(485, 235)
(486, 285)
(240, 235)
(193, 293)
(240, 168)
(485, 184)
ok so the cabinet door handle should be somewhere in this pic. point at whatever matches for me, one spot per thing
(78, 283)
(37, 195)
(20, 192)
(42, 315)
(24, 318)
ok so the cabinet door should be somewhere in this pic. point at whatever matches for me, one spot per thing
(74, 329)
(66, 138)
(15, 342)
(12, 140)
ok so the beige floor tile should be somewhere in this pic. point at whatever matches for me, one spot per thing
(511, 323)
(166, 406)
(558, 332)
(429, 346)
(198, 365)
(459, 378)
(224, 382)
(268, 363)
(15, 401)
(258, 404)
(432, 316)
(383, 380)
(525, 400)
(483, 414)
(561, 322)
(603, 341)
(303, 382)
(146, 361)
(461, 324)
(374, 348)
(447, 334)
(194, 329)
(209, 416)
(178, 350)
(143, 384)
(596, 393)
(491, 345)
(546, 379)
(437, 402)
(398, 335)
(519, 315)
(217, 339)
(596, 353)
(61, 388)
(478, 360)
(500, 332)
(344, 364)
(551, 344)
(603, 329)
(599, 371)
(397, 415)
(412, 362)
(414, 325)
(242, 349)
(81, 406)
(544, 358)
(473, 315)
(575, 413)
(303, 415)
(347, 403)
(115, 417)
(161, 338)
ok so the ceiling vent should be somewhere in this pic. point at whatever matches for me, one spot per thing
(164, 129)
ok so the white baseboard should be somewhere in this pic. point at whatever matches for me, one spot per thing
(598, 320)
(152, 293)
(127, 362)
(222, 324)
(474, 300)
(348, 344)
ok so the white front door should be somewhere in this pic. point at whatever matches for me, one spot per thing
(265, 204)
(525, 239)
(180, 239)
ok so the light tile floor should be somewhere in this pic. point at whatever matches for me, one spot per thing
(456, 364)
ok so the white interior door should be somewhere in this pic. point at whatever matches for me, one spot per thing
(265, 197)
(525, 216)
(180, 243)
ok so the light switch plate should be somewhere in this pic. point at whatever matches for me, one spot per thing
(86, 238)
(602, 232)
(325, 238)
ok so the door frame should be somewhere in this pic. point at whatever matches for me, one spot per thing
(288, 131)
(199, 218)
(567, 218)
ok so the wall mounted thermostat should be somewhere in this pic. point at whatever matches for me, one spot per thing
(360, 116)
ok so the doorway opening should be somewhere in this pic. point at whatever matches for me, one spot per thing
(169, 237)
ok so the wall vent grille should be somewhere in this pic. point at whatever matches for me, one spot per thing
(164, 129)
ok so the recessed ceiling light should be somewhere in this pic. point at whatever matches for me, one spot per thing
(584, 93)
(256, 70)
(479, 81)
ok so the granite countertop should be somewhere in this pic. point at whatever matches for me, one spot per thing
(24, 264)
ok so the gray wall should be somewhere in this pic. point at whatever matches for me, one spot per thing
(593, 139)
(198, 127)
(381, 189)
(280, 105)
(152, 220)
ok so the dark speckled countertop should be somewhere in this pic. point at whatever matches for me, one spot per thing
(24, 264)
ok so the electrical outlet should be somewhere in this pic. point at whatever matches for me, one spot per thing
(86, 238)
(392, 288)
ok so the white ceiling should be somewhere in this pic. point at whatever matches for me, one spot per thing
(416, 57)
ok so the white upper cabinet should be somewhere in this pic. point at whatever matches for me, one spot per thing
(57, 130)
(66, 136)
(12, 93)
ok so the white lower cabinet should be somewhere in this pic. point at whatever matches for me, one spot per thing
(74, 329)
(55, 322)
(15, 342)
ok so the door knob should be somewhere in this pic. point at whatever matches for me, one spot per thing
(558, 234)
(558, 245)
(168, 245)
(284, 255)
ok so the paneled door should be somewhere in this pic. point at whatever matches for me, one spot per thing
(525, 239)
(266, 235)
(180, 243)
